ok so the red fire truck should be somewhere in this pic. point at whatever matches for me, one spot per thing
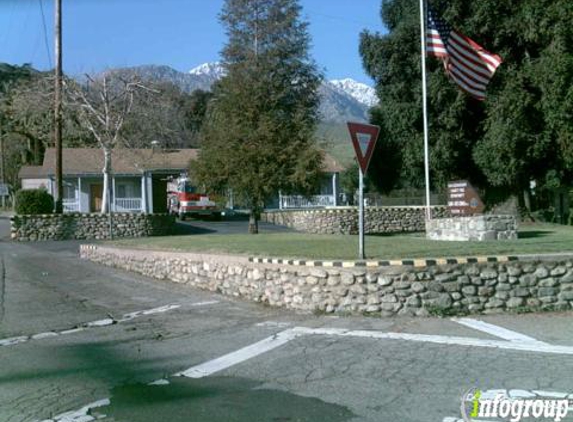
(184, 199)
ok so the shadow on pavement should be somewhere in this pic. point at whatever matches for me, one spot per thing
(217, 399)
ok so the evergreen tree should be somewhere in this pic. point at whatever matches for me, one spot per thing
(522, 132)
(258, 137)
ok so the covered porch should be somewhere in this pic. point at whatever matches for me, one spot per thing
(328, 196)
(130, 193)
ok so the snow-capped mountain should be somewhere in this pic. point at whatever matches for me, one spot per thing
(341, 100)
(361, 92)
(211, 71)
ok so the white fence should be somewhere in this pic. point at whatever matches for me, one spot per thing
(127, 204)
(121, 205)
(71, 205)
(298, 201)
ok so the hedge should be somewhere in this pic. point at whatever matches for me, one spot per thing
(34, 201)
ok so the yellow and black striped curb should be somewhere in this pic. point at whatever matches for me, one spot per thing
(385, 263)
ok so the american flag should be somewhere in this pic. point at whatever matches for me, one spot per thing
(467, 63)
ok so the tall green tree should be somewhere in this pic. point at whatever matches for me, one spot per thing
(522, 132)
(259, 134)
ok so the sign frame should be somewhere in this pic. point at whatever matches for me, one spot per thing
(373, 131)
(463, 199)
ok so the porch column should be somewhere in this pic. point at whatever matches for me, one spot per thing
(79, 194)
(143, 193)
(113, 201)
(335, 188)
(280, 200)
(150, 194)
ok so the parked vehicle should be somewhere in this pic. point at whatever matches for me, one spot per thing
(185, 199)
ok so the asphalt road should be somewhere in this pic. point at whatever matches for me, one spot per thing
(237, 224)
(276, 366)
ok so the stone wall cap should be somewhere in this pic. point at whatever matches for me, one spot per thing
(413, 262)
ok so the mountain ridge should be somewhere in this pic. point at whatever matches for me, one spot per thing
(341, 100)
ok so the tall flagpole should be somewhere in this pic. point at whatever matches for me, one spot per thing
(425, 109)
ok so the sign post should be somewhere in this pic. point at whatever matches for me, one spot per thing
(364, 139)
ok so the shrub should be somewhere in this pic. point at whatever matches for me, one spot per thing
(34, 201)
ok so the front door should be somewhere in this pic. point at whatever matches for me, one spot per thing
(96, 195)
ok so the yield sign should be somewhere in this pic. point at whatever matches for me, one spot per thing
(364, 139)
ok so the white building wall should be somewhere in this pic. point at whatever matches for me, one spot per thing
(35, 183)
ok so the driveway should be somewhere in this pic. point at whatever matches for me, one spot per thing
(237, 224)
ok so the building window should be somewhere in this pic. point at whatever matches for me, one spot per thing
(69, 190)
(127, 190)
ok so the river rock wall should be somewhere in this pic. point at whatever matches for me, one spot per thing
(89, 226)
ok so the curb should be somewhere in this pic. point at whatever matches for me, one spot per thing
(386, 263)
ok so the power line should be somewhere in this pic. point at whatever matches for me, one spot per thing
(45, 33)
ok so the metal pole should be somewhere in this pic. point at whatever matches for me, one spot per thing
(58, 105)
(2, 162)
(425, 109)
(360, 214)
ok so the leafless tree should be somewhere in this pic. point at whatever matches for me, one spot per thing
(104, 105)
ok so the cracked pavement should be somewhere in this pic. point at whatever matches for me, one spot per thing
(311, 377)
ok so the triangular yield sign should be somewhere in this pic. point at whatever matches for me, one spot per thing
(364, 139)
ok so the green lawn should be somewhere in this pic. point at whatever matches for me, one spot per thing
(534, 238)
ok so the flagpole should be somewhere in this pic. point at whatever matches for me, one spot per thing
(425, 109)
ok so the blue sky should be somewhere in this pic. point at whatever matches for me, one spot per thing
(100, 34)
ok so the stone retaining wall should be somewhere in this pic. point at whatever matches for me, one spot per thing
(344, 220)
(480, 227)
(454, 289)
(89, 226)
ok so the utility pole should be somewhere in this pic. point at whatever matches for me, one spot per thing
(58, 106)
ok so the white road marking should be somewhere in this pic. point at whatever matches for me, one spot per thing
(270, 343)
(495, 330)
(273, 324)
(73, 330)
(137, 314)
(209, 302)
(551, 394)
(159, 382)
(198, 371)
(41, 336)
(241, 355)
(14, 340)
(537, 347)
(106, 322)
(101, 323)
(80, 415)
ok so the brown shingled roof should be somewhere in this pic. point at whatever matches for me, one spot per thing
(32, 172)
(79, 161)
